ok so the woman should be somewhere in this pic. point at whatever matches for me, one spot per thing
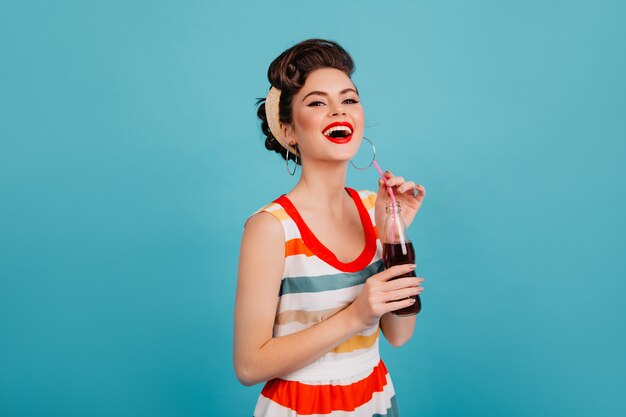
(312, 292)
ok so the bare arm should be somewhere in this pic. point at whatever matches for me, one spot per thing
(397, 330)
(258, 356)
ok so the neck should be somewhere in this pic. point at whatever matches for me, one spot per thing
(322, 185)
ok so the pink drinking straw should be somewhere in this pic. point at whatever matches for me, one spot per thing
(393, 205)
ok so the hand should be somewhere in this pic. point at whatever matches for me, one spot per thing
(405, 194)
(381, 294)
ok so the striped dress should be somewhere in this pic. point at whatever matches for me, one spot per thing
(351, 379)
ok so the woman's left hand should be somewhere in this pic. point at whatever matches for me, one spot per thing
(407, 193)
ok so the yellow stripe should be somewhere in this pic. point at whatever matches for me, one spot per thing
(357, 342)
(370, 201)
(279, 213)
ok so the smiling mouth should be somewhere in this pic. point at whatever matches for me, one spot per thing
(338, 132)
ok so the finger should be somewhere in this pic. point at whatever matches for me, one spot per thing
(407, 186)
(421, 192)
(382, 190)
(394, 271)
(399, 283)
(386, 175)
(397, 305)
(401, 294)
(395, 181)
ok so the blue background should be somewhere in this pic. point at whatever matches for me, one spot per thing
(131, 156)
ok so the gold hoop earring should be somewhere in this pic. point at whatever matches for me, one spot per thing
(373, 157)
(292, 173)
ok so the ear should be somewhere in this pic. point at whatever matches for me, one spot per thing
(288, 133)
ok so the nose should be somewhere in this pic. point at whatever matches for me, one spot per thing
(337, 110)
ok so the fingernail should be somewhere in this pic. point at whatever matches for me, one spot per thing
(412, 266)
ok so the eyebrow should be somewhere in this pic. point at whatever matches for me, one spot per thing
(321, 93)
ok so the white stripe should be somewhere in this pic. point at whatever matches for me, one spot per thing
(335, 369)
(379, 249)
(289, 328)
(291, 229)
(312, 301)
(312, 266)
(296, 326)
(338, 357)
(344, 381)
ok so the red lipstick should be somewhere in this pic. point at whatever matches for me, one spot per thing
(339, 140)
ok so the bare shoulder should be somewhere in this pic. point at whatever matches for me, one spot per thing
(263, 226)
(260, 271)
(262, 251)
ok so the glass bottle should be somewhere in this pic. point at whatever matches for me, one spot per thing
(398, 250)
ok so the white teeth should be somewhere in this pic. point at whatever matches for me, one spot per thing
(332, 129)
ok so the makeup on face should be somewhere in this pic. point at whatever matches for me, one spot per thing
(328, 110)
(338, 132)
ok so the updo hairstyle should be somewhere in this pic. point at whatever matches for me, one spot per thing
(288, 73)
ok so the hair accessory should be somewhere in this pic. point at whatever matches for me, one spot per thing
(272, 114)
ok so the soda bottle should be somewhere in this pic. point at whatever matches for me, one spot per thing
(398, 250)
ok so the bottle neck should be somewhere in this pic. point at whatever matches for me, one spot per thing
(394, 230)
(389, 208)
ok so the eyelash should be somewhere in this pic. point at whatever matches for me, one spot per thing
(312, 104)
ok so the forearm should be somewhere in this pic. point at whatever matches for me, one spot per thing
(285, 354)
(397, 330)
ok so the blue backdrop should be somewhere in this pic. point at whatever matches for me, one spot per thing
(131, 156)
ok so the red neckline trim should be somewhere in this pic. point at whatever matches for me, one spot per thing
(322, 251)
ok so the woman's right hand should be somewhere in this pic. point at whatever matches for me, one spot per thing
(380, 294)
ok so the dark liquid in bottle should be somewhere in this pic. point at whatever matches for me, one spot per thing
(392, 255)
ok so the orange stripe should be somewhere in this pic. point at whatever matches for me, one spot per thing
(296, 247)
(323, 399)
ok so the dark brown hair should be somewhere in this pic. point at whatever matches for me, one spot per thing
(288, 73)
